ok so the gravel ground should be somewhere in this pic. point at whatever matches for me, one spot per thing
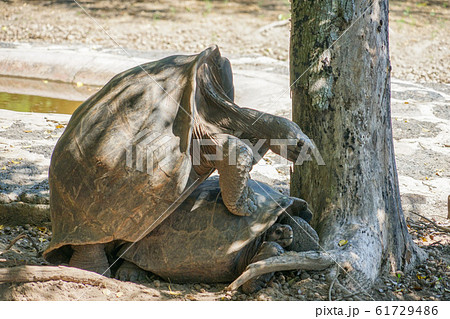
(419, 41)
(419, 50)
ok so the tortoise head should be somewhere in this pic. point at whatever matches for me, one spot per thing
(288, 139)
(281, 234)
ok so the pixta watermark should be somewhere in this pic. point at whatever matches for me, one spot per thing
(150, 150)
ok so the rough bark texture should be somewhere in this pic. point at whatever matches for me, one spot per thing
(341, 98)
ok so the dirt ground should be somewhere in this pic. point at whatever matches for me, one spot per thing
(419, 52)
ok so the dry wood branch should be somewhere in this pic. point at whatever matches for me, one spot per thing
(273, 25)
(445, 229)
(308, 260)
(23, 235)
(48, 273)
(338, 270)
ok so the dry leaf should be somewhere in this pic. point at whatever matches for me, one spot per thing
(4, 168)
(406, 102)
(423, 239)
(59, 126)
(1, 227)
(342, 242)
(15, 162)
(421, 277)
(27, 131)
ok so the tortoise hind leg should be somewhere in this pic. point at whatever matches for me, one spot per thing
(267, 249)
(91, 258)
(130, 272)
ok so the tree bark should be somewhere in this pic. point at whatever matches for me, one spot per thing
(340, 76)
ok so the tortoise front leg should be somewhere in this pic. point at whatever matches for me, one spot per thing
(234, 168)
(91, 258)
(268, 249)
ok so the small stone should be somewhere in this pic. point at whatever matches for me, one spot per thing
(197, 287)
(380, 290)
(157, 283)
(261, 297)
(206, 286)
(274, 285)
(316, 277)
(304, 276)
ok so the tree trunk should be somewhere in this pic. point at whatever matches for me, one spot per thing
(340, 76)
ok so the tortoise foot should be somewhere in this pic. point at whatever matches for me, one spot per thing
(130, 272)
(91, 258)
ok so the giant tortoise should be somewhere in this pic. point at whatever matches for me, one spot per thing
(136, 149)
(201, 241)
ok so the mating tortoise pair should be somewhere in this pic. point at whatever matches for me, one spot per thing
(129, 173)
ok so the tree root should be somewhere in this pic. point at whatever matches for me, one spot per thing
(307, 260)
(28, 273)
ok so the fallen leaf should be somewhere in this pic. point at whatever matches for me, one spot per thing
(406, 102)
(42, 229)
(4, 168)
(421, 277)
(174, 293)
(14, 162)
(27, 131)
(42, 239)
(423, 239)
(59, 126)
(342, 242)
(1, 227)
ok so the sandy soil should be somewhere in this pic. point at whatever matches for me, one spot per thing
(419, 50)
(420, 45)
